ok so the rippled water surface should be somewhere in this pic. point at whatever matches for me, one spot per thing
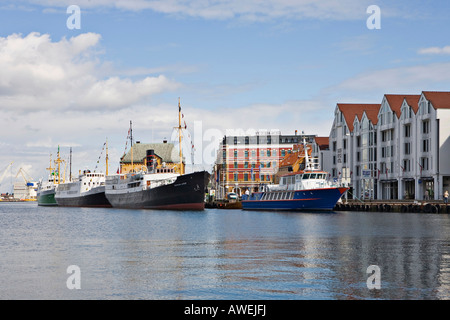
(221, 254)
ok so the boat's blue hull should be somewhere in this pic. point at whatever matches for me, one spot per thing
(315, 199)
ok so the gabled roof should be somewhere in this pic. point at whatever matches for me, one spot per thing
(396, 100)
(163, 150)
(439, 99)
(323, 142)
(296, 154)
(350, 110)
(413, 101)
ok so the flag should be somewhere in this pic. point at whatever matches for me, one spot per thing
(386, 171)
(403, 169)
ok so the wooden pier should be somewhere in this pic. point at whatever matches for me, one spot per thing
(395, 206)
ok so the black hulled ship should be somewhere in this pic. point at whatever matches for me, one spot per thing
(157, 186)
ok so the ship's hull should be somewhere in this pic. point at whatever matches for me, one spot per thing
(46, 198)
(186, 193)
(323, 199)
(94, 198)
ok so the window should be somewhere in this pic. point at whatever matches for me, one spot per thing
(246, 140)
(406, 166)
(345, 144)
(426, 126)
(235, 164)
(246, 153)
(235, 177)
(268, 152)
(235, 153)
(425, 145)
(245, 176)
(283, 153)
(407, 147)
(424, 163)
(407, 131)
(235, 140)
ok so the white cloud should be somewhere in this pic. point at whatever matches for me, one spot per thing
(435, 50)
(410, 79)
(39, 74)
(252, 10)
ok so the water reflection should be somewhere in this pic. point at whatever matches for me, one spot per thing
(219, 254)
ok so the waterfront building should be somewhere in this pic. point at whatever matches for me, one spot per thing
(246, 162)
(398, 149)
(352, 150)
(432, 145)
(166, 158)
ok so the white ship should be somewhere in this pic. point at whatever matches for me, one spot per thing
(87, 191)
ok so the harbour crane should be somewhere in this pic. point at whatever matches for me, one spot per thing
(26, 177)
(4, 172)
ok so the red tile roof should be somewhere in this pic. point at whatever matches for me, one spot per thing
(413, 101)
(350, 110)
(439, 100)
(396, 100)
(296, 154)
(323, 142)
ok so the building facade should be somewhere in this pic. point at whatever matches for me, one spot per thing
(396, 150)
(352, 144)
(247, 162)
(165, 157)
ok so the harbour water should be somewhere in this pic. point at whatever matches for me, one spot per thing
(221, 254)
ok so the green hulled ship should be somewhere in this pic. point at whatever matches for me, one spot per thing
(47, 188)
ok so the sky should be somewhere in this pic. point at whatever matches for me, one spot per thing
(73, 80)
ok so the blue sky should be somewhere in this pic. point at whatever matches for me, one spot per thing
(235, 65)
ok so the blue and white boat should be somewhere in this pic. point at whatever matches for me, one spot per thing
(303, 190)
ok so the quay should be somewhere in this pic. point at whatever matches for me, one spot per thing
(353, 205)
(430, 206)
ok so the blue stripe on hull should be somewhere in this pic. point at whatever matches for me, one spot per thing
(315, 199)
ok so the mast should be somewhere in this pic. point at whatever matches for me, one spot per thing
(50, 168)
(58, 161)
(70, 165)
(106, 156)
(179, 136)
(131, 140)
(305, 149)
